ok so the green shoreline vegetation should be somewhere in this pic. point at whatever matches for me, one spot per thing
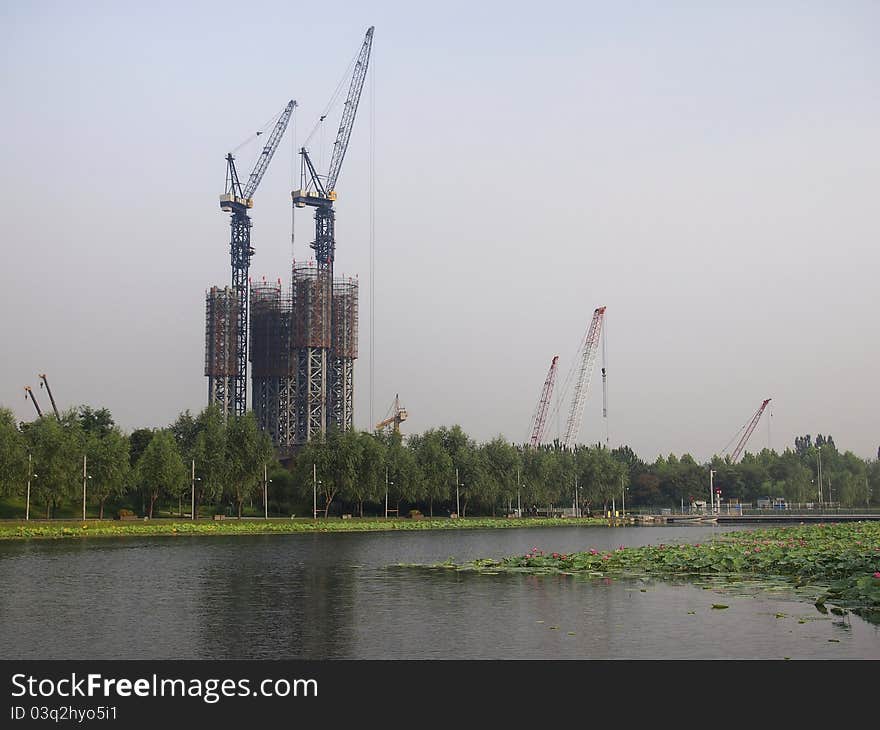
(108, 528)
(80, 463)
(841, 562)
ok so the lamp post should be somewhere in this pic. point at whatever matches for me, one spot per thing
(457, 509)
(711, 491)
(315, 492)
(86, 477)
(266, 483)
(386, 492)
(193, 480)
(518, 504)
(576, 501)
(27, 508)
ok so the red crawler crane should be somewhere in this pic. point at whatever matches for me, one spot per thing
(751, 427)
(540, 417)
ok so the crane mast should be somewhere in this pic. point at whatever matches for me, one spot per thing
(328, 370)
(539, 419)
(749, 429)
(29, 392)
(585, 373)
(238, 201)
(49, 391)
(319, 193)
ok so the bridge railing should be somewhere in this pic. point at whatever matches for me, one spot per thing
(811, 508)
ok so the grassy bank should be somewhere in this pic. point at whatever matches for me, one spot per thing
(109, 528)
(842, 561)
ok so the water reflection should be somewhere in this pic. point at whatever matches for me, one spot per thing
(335, 596)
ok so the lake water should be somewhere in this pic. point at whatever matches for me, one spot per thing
(322, 596)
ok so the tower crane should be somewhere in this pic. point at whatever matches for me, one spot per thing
(397, 416)
(319, 191)
(239, 200)
(750, 427)
(49, 391)
(29, 392)
(539, 419)
(589, 352)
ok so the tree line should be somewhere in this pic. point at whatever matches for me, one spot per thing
(224, 465)
(55, 456)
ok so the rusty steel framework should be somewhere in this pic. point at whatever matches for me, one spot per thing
(270, 359)
(539, 419)
(221, 336)
(343, 353)
(302, 352)
(312, 302)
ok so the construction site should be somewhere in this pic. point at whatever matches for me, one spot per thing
(301, 340)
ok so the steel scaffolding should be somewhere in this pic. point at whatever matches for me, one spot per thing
(221, 336)
(343, 352)
(302, 353)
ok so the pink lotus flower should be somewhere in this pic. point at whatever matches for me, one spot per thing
(606, 557)
(593, 551)
(877, 575)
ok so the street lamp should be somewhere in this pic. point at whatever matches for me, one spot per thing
(519, 485)
(315, 491)
(27, 508)
(194, 479)
(711, 491)
(266, 483)
(386, 492)
(86, 477)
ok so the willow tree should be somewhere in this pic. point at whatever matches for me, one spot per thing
(209, 457)
(436, 466)
(160, 470)
(248, 451)
(57, 459)
(369, 482)
(13, 453)
(108, 464)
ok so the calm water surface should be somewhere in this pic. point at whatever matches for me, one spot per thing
(321, 596)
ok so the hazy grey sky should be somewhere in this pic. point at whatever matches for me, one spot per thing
(709, 172)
